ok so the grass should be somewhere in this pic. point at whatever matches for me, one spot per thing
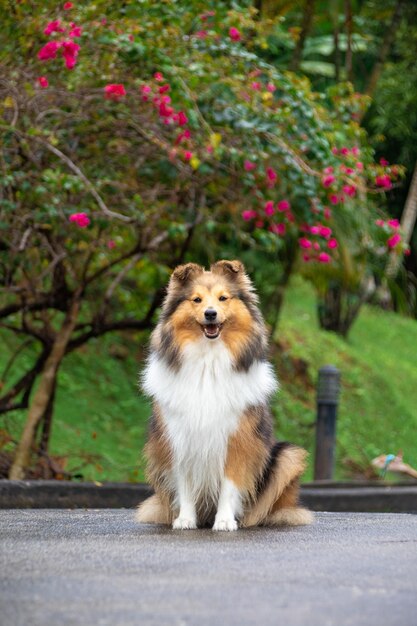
(101, 419)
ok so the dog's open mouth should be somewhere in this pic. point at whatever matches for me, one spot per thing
(212, 331)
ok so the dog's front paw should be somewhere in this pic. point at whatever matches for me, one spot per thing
(225, 524)
(183, 523)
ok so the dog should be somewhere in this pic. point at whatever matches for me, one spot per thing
(211, 455)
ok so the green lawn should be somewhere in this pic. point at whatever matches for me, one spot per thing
(101, 418)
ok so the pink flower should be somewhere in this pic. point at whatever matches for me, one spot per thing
(255, 86)
(383, 181)
(324, 257)
(259, 224)
(305, 243)
(394, 240)
(383, 161)
(334, 198)
(49, 51)
(80, 219)
(249, 215)
(111, 244)
(114, 91)
(380, 222)
(43, 81)
(75, 32)
(68, 6)
(182, 118)
(315, 230)
(328, 170)
(316, 246)
(201, 34)
(278, 229)
(158, 77)
(328, 180)
(335, 151)
(359, 166)
(234, 34)
(349, 190)
(325, 231)
(347, 170)
(271, 87)
(344, 151)
(327, 213)
(183, 136)
(355, 150)
(249, 166)
(393, 223)
(164, 88)
(332, 243)
(164, 110)
(188, 155)
(306, 257)
(131, 38)
(206, 15)
(54, 27)
(269, 208)
(283, 205)
(70, 53)
(271, 176)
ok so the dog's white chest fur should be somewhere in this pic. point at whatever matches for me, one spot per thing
(201, 405)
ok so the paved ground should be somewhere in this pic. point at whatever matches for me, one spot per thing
(95, 567)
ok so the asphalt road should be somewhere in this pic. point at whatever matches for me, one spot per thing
(98, 567)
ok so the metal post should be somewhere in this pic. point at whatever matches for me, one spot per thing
(328, 388)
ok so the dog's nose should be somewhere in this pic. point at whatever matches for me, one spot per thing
(210, 315)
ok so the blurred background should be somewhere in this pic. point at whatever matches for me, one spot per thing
(139, 135)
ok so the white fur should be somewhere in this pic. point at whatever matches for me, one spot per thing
(229, 506)
(201, 405)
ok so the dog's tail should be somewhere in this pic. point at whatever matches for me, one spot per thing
(153, 511)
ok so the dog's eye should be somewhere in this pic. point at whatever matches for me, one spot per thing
(222, 298)
(197, 300)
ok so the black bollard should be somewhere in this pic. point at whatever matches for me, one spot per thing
(328, 388)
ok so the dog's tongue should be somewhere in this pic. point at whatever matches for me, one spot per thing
(211, 329)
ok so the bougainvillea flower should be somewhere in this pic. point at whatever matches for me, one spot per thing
(335, 151)
(316, 246)
(271, 87)
(380, 222)
(283, 205)
(183, 136)
(359, 166)
(75, 31)
(314, 230)
(158, 77)
(146, 89)
(269, 208)
(355, 150)
(188, 155)
(324, 257)
(327, 213)
(306, 257)
(344, 151)
(249, 166)
(334, 198)
(43, 81)
(271, 176)
(80, 219)
(111, 244)
(383, 161)
(332, 243)
(164, 88)
(278, 229)
(255, 86)
(259, 224)
(182, 119)
(393, 223)
(347, 170)
(249, 215)
(328, 180)
(349, 190)
(201, 34)
(49, 50)
(325, 231)
(328, 170)
(68, 6)
(54, 27)
(305, 243)
(394, 240)
(114, 91)
(164, 110)
(383, 181)
(70, 53)
(234, 34)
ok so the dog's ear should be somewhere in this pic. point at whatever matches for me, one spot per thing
(231, 269)
(183, 273)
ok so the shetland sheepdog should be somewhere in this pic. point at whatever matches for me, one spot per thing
(211, 455)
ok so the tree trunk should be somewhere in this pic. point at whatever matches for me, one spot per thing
(305, 29)
(349, 28)
(47, 422)
(385, 48)
(41, 399)
(339, 308)
(408, 220)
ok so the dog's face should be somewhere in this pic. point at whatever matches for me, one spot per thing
(216, 305)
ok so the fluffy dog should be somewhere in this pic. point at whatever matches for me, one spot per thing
(211, 454)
